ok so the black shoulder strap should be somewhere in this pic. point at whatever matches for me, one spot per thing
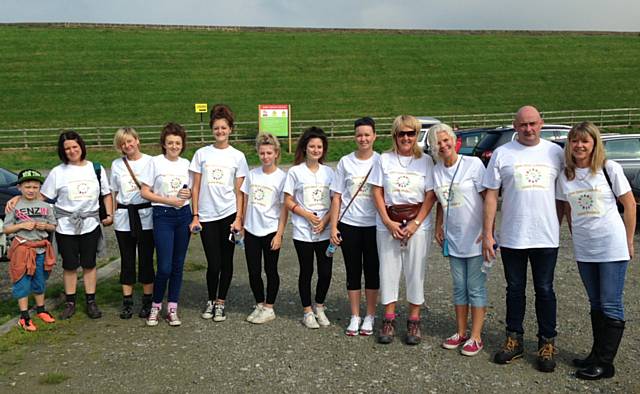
(606, 175)
(96, 168)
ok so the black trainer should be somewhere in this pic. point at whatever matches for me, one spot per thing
(127, 310)
(511, 350)
(69, 310)
(145, 310)
(546, 351)
(92, 310)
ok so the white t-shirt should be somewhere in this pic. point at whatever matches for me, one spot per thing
(264, 201)
(128, 192)
(598, 231)
(528, 176)
(405, 181)
(311, 191)
(166, 177)
(464, 221)
(350, 174)
(219, 168)
(76, 190)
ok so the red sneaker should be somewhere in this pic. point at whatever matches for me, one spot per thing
(454, 341)
(46, 317)
(471, 347)
(26, 324)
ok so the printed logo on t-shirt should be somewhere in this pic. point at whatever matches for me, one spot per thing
(316, 197)
(354, 183)
(405, 183)
(532, 176)
(28, 214)
(261, 195)
(587, 202)
(82, 190)
(171, 184)
(455, 198)
(217, 175)
(128, 185)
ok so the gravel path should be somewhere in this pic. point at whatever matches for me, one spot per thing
(282, 356)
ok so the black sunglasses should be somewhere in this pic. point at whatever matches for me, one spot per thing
(411, 133)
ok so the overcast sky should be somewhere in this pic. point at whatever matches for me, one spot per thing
(608, 15)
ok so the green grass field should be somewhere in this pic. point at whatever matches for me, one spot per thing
(72, 77)
(63, 77)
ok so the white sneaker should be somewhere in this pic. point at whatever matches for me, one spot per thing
(354, 325)
(266, 315)
(207, 313)
(367, 325)
(152, 320)
(172, 318)
(321, 316)
(218, 312)
(256, 311)
(309, 320)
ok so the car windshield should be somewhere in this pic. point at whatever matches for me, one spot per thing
(7, 177)
(488, 141)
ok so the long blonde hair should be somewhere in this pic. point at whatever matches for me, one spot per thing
(406, 121)
(598, 156)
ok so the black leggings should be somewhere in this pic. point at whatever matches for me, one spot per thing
(360, 254)
(305, 251)
(219, 253)
(128, 245)
(254, 248)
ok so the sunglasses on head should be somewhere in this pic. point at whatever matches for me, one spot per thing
(411, 133)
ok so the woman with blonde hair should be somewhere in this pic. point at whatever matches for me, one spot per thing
(132, 222)
(265, 218)
(458, 184)
(402, 188)
(602, 240)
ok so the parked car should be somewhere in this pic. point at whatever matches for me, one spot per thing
(501, 135)
(469, 138)
(425, 123)
(8, 188)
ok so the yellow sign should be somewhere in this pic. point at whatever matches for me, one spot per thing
(201, 108)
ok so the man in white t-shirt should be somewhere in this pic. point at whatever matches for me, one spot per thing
(526, 169)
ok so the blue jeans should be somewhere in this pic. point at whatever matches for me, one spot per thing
(35, 284)
(604, 283)
(469, 282)
(171, 236)
(543, 264)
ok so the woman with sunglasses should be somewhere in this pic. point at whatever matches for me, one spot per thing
(353, 225)
(402, 187)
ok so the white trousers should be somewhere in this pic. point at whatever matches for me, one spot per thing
(412, 260)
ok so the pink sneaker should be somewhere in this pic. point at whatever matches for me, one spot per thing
(471, 347)
(454, 341)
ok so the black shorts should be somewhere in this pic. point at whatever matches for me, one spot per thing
(78, 250)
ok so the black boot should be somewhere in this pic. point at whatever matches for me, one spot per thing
(127, 308)
(146, 306)
(597, 327)
(605, 353)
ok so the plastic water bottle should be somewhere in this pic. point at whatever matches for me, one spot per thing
(331, 249)
(488, 264)
(314, 236)
(238, 239)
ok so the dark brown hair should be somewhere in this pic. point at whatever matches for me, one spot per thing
(308, 134)
(70, 135)
(173, 129)
(221, 111)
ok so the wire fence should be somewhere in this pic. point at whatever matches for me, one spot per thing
(102, 136)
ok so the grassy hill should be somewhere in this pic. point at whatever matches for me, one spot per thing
(57, 77)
